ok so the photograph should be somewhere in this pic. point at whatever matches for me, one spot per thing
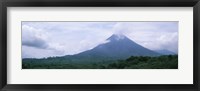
(99, 44)
(122, 45)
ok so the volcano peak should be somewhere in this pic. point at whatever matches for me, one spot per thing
(117, 37)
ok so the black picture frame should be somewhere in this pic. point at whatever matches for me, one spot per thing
(99, 3)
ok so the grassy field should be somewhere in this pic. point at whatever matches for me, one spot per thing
(137, 62)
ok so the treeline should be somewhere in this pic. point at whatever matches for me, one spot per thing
(133, 62)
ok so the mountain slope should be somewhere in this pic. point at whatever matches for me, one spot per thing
(165, 52)
(117, 47)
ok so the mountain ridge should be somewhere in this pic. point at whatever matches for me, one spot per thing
(117, 47)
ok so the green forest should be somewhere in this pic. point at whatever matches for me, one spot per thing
(133, 62)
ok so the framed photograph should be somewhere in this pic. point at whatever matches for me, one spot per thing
(144, 45)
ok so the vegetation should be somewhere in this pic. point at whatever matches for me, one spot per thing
(133, 62)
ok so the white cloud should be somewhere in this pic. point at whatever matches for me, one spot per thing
(43, 39)
(33, 37)
(152, 35)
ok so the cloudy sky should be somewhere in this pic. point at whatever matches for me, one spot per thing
(47, 39)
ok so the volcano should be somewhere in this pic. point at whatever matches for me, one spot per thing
(116, 47)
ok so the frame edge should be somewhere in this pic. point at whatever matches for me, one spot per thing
(196, 34)
(3, 46)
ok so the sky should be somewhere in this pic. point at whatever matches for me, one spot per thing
(50, 39)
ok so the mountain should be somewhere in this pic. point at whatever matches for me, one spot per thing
(165, 52)
(117, 47)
